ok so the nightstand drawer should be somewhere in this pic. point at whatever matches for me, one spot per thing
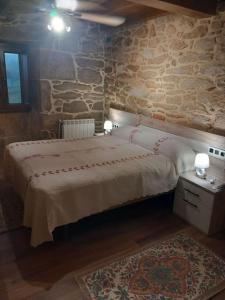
(195, 195)
(193, 213)
(199, 204)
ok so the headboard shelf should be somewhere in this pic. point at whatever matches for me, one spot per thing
(199, 140)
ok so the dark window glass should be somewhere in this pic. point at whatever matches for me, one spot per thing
(14, 77)
(12, 67)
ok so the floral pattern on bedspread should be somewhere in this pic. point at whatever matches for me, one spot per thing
(40, 156)
(93, 165)
(157, 145)
(39, 142)
(132, 134)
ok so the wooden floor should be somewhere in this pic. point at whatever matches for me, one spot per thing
(25, 271)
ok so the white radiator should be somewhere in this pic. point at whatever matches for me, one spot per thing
(77, 129)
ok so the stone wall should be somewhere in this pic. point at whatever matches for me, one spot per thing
(170, 68)
(72, 77)
(67, 77)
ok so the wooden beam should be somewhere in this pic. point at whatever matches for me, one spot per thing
(192, 8)
(132, 11)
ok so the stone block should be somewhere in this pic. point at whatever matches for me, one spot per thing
(176, 99)
(92, 47)
(50, 122)
(98, 89)
(67, 96)
(158, 60)
(220, 82)
(197, 32)
(181, 70)
(56, 65)
(75, 107)
(147, 74)
(69, 85)
(196, 83)
(139, 92)
(89, 63)
(165, 106)
(171, 29)
(90, 76)
(141, 32)
(98, 116)
(191, 57)
(177, 44)
(93, 97)
(206, 44)
(98, 106)
(212, 69)
(158, 116)
(220, 121)
(200, 121)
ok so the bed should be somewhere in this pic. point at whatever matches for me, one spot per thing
(63, 181)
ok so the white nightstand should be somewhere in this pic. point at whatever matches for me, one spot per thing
(201, 203)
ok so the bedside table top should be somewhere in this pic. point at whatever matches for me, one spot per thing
(218, 174)
(99, 134)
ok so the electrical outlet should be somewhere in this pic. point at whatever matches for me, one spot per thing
(216, 152)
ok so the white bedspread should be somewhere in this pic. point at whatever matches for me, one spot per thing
(62, 181)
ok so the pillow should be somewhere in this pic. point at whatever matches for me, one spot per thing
(125, 132)
(167, 144)
(148, 138)
(180, 153)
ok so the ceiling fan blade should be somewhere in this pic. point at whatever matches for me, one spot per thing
(76, 5)
(87, 6)
(102, 19)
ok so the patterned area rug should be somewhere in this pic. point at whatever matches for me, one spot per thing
(177, 268)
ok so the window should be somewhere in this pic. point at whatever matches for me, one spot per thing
(13, 78)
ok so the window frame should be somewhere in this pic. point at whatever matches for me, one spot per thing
(21, 49)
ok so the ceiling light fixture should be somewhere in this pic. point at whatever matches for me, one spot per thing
(70, 5)
(57, 23)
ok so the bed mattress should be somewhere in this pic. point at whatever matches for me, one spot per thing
(62, 181)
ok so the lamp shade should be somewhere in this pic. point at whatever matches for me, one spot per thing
(108, 125)
(202, 161)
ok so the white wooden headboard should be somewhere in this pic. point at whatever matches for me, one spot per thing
(200, 141)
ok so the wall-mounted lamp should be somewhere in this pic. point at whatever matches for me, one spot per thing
(108, 127)
(201, 164)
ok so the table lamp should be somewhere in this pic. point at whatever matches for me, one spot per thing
(108, 127)
(201, 164)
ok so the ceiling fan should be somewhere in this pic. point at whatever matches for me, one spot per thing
(84, 10)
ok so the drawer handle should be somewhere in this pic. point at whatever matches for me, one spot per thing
(194, 194)
(188, 202)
